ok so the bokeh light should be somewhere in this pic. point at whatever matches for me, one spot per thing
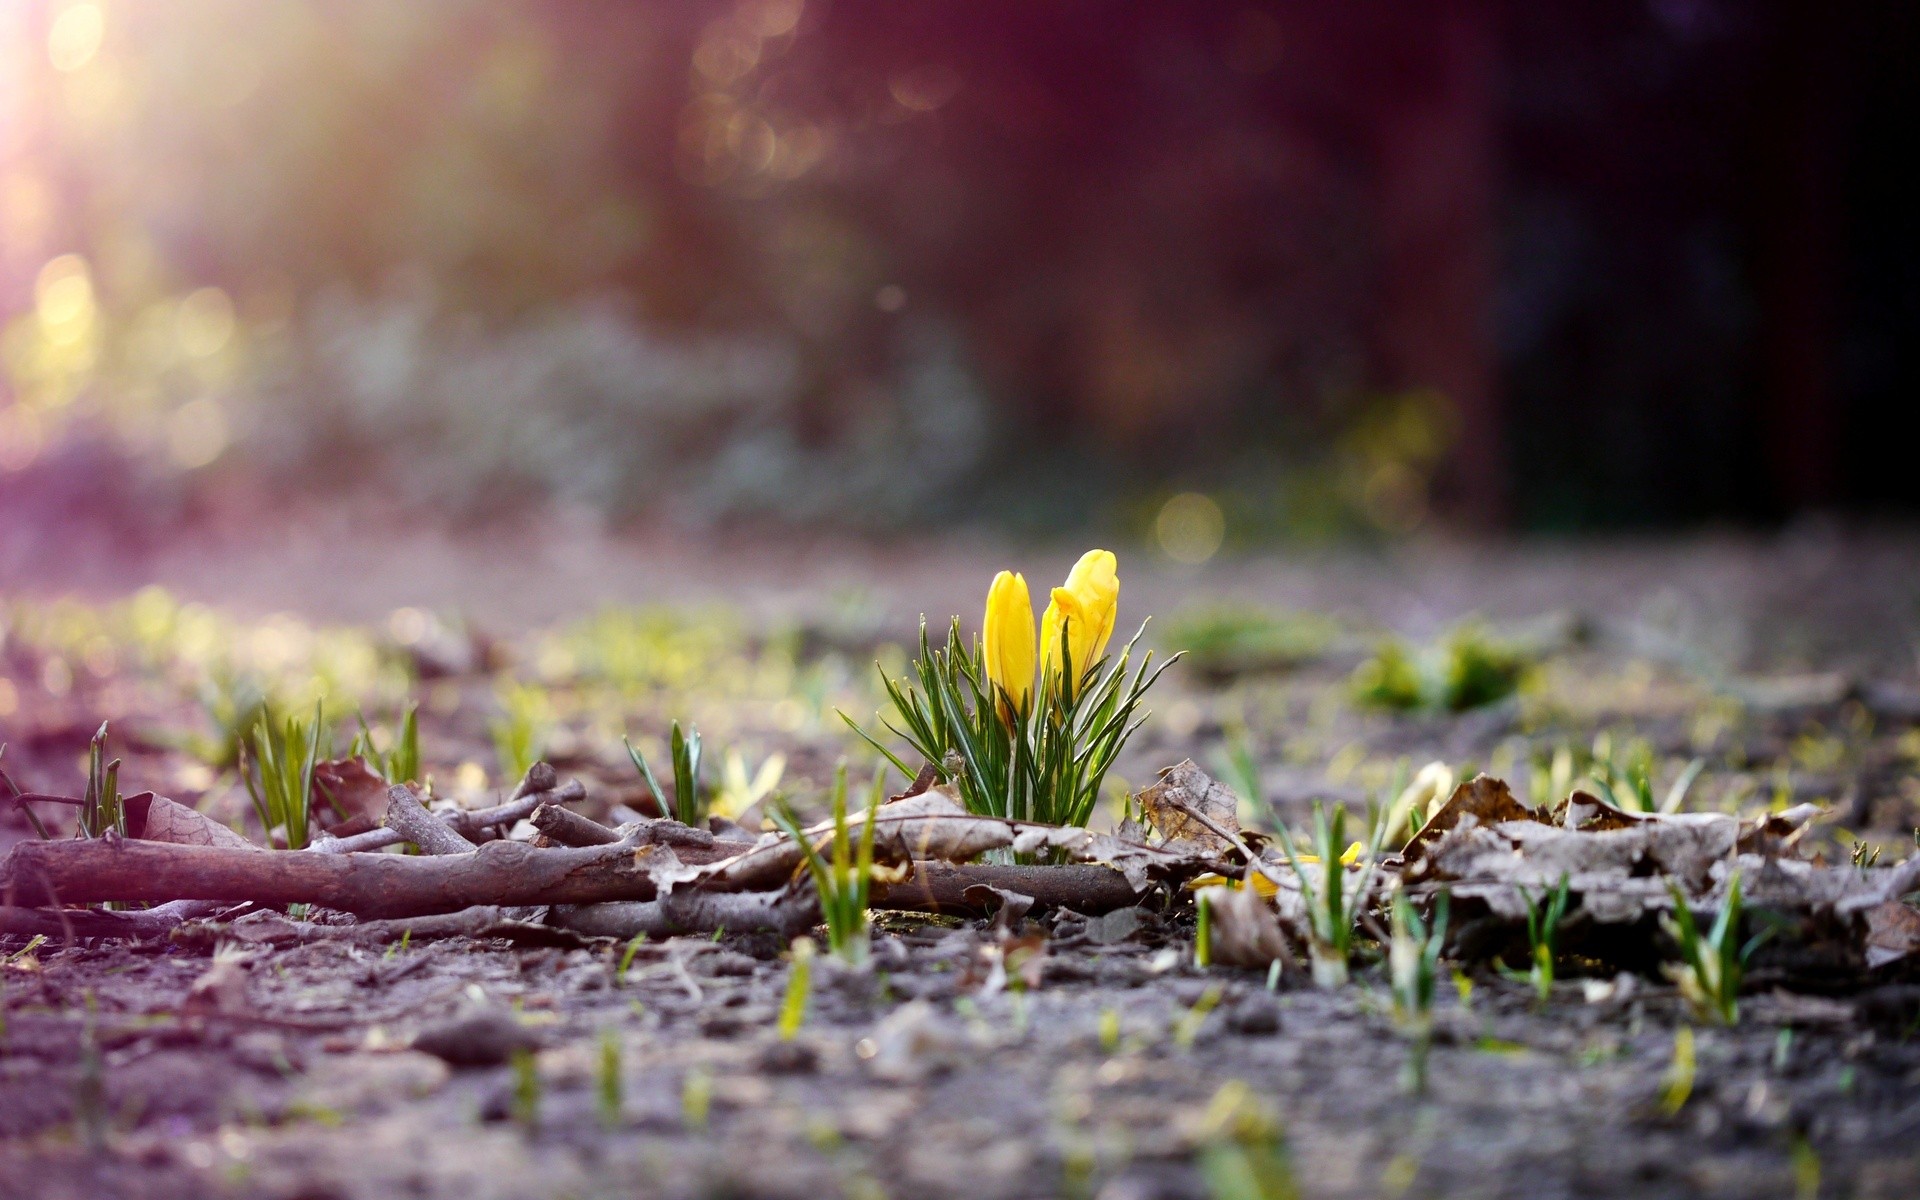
(1190, 528)
(74, 37)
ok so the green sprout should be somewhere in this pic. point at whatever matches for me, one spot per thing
(696, 1098)
(400, 763)
(626, 957)
(843, 880)
(1203, 933)
(526, 1089)
(1679, 1082)
(1044, 761)
(610, 1084)
(1330, 912)
(689, 805)
(1543, 939)
(793, 1010)
(100, 808)
(281, 782)
(234, 703)
(1243, 1154)
(1711, 965)
(1413, 960)
(519, 733)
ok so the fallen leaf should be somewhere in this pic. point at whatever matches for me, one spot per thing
(1242, 928)
(1182, 791)
(1893, 932)
(351, 790)
(1485, 799)
(154, 818)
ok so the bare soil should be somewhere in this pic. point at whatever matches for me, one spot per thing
(1084, 1065)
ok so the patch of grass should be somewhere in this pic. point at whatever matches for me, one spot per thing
(696, 1098)
(843, 876)
(1469, 668)
(1711, 964)
(280, 777)
(683, 747)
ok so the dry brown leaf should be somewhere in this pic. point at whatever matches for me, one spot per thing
(1242, 928)
(1183, 790)
(350, 790)
(1893, 932)
(154, 818)
(1485, 799)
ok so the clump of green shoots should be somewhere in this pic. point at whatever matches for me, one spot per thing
(1543, 939)
(1330, 911)
(400, 763)
(689, 803)
(1468, 669)
(1624, 778)
(280, 780)
(1413, 959)
(100, 808)
(1711, 965)
(1045, 761)
(842, 876)
(519, 733)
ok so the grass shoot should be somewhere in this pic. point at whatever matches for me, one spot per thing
(400, 762)
(1413, 959)
(683, 747)
(844, 874)
(793, 1009)
(1330, 911)
(610, 1095)
(1711, 964)
(100, 808)
(280, 780)
(520, 731)
(1543, 939)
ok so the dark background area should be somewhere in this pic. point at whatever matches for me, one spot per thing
(1345, 268)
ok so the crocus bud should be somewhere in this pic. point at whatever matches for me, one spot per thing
(1085, 608)
(1007, 640)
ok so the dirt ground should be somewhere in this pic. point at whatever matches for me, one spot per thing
(1065, 1058)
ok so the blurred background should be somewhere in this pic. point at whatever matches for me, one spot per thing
(1229, 274)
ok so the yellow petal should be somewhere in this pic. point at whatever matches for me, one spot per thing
(1007, 637)
(1085, 608)
(1352, 855)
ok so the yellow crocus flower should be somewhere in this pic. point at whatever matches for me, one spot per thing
(1007, 639)
(1085, 608)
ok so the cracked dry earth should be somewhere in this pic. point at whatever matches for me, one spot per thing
(913, 1078)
